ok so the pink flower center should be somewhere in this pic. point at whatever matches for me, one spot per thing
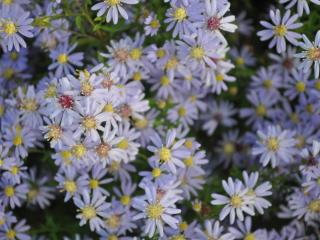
(66, 101)
(213, 23)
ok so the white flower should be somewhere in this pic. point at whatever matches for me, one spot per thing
(280, 30)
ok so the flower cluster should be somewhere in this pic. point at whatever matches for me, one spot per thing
(138, 119)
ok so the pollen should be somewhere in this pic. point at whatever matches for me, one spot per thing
(261, 110)
(267, 83)
(180, 14)
(165, 81)
(30, 105)
(11, 234)
(89, 212)
(93, 183)
(154, 24)
(108, 108)
(154, 211)
(136, 53)
(188, 161)
(228, 148)
(300, 86)
(250, 236)
(65, 155)
(219, 77)
(280, 30)
(165, 154)
(123, 144)
(156, 172)
(113, 2)
(86, 88)
(79, 150)
(236, 201)
(197, 52)
(9, 191)
(55, 132)
(188, 144)
(182, 111)
(10, 28)
(213, 23)
(125, 200)
(314, 206)
(141, 123)
(70, 186)
(62, 58)
(273, 144)
(89, 123)
(17, 140)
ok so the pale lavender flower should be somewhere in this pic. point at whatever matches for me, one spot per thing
(214, 230)
(280, 30)
(152, 25)
(12, 194)
(302, 5)
(18, 231)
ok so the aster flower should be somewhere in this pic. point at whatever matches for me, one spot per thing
(113, 8)
(244, 25)
(275, 146)
(311, 54)
(152, 25)
(244, 231)
(12, 194)
(214, 230)
(280, 30)
(302, 5)
(156, 210)
(236, 203)
(64, 60)
(14, 25)
(243, 57)
(17, 231)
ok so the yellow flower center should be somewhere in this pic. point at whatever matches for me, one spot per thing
(317, 85)
(136, 53)
(8, 73)
(261, 110)
(228, 148)
(10, 28)
(125, 200)
(197, 52)
(219, 77)
(9, 191)
(165, 154)
(62, 58)
(171, 63)
(108, 108)
(250, 236)
(267, 83)
(113, 221)
(55, 132)
(309, 108)
(17, 140)
(273, 144)
(182, 111)
(141, 123)
(156, 172)
(88, 212)
(197, 206)
(154, 24)
(154, 211)
(7, 2)
(66, 155)
(188, 161)
(93, 183)
(301, 141)
(79, 150)
(251, 193)
(161, 104)
(89, 123)
(160, 53)
(1, 110)
(15, 170)
(86, 88)
(70, 186)
(32, 194)
(239, 61)
(137, 76)
(103, 149)
(180, 14)
(314, 54)
(280, 30)
(294, 118)
(188, 144)
(112, 2)
(11, 234)
(51, 91)
(183, 226)
(113, 237)
(314, 206)
(123, 144)
(30, 105)
(165, 81)
(178, 237)
(300, 87)
(236, 201)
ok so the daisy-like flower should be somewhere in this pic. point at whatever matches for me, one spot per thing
(244, 231)
(213, 230)
(275, 145)
(215, 20)
(280, 30)
(14, 25)
(152, 25)
(17, 231)
(236, 203)
(113, 8)
(91, 209)
(302, 5)
(157, 210)
(64, 60)
(12, 194)
(311, 54)
(244, 25)
(170, 153)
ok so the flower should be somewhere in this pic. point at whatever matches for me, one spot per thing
(17, 231)
(302, 5)
(275, 145)
(157, 210)
(280, 30)
(112, 7)
(152, 25)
